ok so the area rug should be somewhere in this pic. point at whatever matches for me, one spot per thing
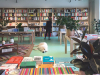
(23, 50)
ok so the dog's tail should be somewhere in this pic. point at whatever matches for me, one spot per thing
(36, 45)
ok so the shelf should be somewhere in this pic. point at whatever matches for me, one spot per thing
(8, 12)
(83, 25)
(34, 26)
(43, 31)
(21, 20)
(83, 20)
(34, 20)
(44, 20)
(45, 12)
(21, 16)
(33, 16)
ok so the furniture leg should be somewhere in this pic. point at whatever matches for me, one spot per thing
(60, 38)
(65, 45)
(18, 39)
(23, 38)
(32, 38)
(58, 35)
(71, 47)
(2, 38)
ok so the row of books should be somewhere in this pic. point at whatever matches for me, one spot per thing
(58, 10)
(45, 14)
(25, 14)
(55, 28)
(33, 10)
(58, 14)
(44, 18)
(70, 14)
(9, 18)
(69, 10)
(21, 11)
(9, 10)
(82, 18)
(9, 14)
(34, 14)
(82, 10)
(83, 22)
(46, 10)
(82, 28)
(34, 18)
(82, 14)
(21, 18)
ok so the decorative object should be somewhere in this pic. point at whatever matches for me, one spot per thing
(3, 42)
(91, 63)
(12, 40)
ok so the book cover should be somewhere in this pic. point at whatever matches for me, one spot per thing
(48, 60)
(26, 59)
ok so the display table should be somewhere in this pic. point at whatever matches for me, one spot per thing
(8, 48)
(22, 34)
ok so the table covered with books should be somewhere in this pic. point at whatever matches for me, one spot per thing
(37, 65)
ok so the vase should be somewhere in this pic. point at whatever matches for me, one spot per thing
(69, 32)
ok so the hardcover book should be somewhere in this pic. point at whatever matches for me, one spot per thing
(30, 64)
(48, 60)
(27, 59)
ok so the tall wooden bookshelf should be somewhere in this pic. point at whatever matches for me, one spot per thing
(36, 18)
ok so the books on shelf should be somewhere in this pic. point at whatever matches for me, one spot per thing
(21, 10)
(46, 10)
(9, 10)
(55, 28)
(33, 10)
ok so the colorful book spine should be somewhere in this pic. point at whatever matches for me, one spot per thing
(46, 71)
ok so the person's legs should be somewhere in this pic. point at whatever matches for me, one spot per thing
(49, 34)
(46, 34)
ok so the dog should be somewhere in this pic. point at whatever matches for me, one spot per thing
(43, 47)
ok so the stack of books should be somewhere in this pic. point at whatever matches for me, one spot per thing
(38, 59)
(8, 67)
(48, 60)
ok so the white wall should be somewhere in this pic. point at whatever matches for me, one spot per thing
(43, 4)
(97, 9)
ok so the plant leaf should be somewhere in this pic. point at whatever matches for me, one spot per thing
(85, 48)
(77, 40)
(74, 51)
(76, 61)
(95, 44)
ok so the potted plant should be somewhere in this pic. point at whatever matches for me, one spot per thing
(91, 63)
(70, 24)
(19, 26)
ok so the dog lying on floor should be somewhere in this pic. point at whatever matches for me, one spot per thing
(43, 47)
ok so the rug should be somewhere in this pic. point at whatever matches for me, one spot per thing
(23, 50)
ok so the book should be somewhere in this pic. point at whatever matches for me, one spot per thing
(29, 64)
(2, 72)
(25, 59)
(38, 59)
(48, 60)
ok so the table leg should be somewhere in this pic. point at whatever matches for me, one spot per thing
(65, 46)
(32, 37)
(58, 35)
(60, 38)
(71, 47)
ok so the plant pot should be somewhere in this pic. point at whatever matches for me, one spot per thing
(20, 29)
(69, 32)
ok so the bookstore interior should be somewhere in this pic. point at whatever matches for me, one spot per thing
(70, 48)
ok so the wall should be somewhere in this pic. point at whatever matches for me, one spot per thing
(43, 4)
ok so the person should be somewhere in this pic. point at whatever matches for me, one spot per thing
(48, 28)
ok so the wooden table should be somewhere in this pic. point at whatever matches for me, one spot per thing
(7, 34)
(61, 37)
(72, 42)
(3, 48)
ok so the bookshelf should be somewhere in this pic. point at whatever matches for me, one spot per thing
(83, 15)
(36, 18)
